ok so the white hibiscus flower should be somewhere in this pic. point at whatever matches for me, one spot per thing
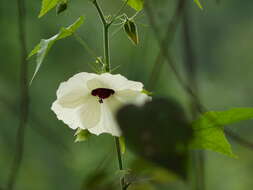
(89, 101)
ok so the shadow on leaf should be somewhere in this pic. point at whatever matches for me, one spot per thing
(158, 132)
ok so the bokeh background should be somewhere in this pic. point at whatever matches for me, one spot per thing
(222, 43)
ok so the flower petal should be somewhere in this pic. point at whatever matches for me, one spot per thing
(96, 83)
(90, 113)
(132, 97)
(73, 99)
(75, 83)
(78, 108)
(107, 122)
(115, 82)
(68, 116)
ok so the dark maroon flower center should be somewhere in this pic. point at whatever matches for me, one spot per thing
(102, 93)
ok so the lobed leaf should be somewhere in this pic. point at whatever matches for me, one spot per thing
(44, 46)
(209, 133)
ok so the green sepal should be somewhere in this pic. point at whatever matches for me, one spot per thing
(82, 135)
(144, 91)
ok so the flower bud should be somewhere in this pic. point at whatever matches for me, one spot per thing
(131, 31)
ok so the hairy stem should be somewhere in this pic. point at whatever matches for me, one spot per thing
(122, 181)
(190, 65)
(106, 26)
(106, 36)
(119, 153)
(106, 49)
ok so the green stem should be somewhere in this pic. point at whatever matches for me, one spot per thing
(100, 12)
(106, 36)
(106, 26)
(119, 153)
(124, 186)
(106, 49)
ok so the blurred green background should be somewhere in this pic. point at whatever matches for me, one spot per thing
(222, 36)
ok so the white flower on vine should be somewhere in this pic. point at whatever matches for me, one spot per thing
(90, 101)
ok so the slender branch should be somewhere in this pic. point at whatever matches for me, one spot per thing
(106, 36)
(190, 65)
(155, 71)
(100, 12)
(166, 53)
(168, 40)
(118, 153)
(118, 13)
(24, 99)
(164, 48)
(199, 163)
(106, 49)
(239, 139)
(190, 60)
(85, 45)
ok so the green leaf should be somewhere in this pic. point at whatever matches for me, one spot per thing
(82, 135)
(44, 46)
(47, 5)
(198, 3)
(136, 4)
(131, 31)
(209, 133)
(34, 51)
